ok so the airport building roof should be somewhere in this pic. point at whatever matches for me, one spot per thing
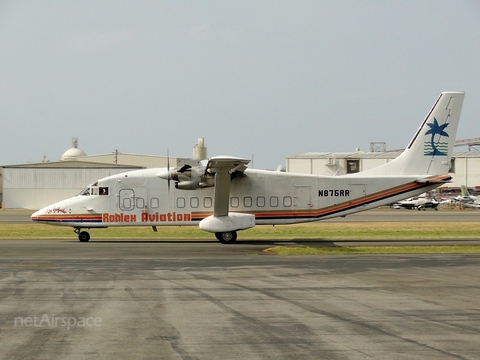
(369, 155)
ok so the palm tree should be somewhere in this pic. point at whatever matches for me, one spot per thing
(434, 130)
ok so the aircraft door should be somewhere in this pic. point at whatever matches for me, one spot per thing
(132, 199)
(126, 199)
(302, 200)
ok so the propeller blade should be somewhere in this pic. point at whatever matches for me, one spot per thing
(168, 169)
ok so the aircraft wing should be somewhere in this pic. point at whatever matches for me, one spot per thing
(471, 205)
(223, 167)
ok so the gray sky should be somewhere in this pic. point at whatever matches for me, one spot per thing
(262, 78)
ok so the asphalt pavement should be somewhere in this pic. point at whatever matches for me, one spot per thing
(121, 299)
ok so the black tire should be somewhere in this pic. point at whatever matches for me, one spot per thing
(83, 236)
(226, 237)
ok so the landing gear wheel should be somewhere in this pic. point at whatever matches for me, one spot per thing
(226, 237)
(83, 236)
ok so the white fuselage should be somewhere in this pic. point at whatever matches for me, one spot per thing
(142, 198)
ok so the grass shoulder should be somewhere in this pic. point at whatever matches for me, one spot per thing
(316, 231)
(372, 250)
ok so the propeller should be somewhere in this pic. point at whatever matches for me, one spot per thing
(186, 177)
(168, 170)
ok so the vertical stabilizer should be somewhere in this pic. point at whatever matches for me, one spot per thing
(430, 150)
(464, 191)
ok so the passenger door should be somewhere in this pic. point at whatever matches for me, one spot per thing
(131, 199)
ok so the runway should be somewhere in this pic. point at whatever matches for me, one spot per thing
(202, 300)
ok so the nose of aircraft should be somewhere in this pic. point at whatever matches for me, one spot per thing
(36, 214)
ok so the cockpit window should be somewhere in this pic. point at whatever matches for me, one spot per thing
(84, 192)
(89, 190)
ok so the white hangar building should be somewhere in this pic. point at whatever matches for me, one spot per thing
(464, 169)
(35, 185)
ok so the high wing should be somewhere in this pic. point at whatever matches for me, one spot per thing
(223, 167)
(223, 223)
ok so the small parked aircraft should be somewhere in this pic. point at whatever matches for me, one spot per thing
(467, 200)
(222, 196)
(421, 202)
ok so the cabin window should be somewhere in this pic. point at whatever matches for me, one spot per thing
(126, 204)
(207, 202)
(181, 202)
(287, 201)
(274, 201)
(140, 202)
(234, 202)
(194, 202)
(353, 166)
(154, 203)
(260, 201)
(247, 201)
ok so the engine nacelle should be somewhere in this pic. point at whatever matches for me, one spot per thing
(188, 177)
(232, 222)
(187, 185)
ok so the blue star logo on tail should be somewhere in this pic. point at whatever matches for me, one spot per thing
(439, 148)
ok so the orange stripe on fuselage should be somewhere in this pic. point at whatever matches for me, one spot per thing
(334, 208)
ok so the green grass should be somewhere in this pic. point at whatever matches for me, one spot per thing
(333, 250)
(315, 231)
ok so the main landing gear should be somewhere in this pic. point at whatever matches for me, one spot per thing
(226, 237)
(83, 236)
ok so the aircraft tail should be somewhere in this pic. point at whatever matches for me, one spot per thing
(464, 191)
(430, 150)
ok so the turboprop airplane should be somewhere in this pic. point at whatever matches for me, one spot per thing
(465, 196)
(222, 196)
(467, 200)
(421, 202)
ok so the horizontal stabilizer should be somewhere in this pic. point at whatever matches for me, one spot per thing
(439, 179)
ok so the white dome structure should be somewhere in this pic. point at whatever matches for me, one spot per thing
(73, 152)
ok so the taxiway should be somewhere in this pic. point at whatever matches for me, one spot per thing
(203, 300)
